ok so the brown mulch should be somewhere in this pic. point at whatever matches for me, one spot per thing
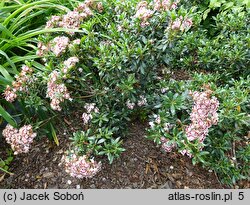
(142, 165)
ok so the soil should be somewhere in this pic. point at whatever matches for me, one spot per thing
(141, 166)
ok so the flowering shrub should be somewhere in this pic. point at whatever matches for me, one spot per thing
(186, 137)
(97, 63)
(108, 60)
(183, 123)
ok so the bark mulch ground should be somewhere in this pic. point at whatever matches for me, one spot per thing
(141, 166)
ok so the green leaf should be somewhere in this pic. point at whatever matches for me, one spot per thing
(53, 132)
(110, 158)
(5, 73)
(206, 13)
(172, 109)
(9, 61)
(101, 141)
(7, 117)
(194, 161)
(6, 171)
(214, 4)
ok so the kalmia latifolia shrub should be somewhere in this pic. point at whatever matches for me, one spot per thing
(104, 66)
(107, 60)
(206, 122)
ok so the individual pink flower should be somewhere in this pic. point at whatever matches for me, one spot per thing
(42, 49)
(187, 23)
(53, 22)
(167, 127)
(86, 117)
(100, 7)
(157, 119)
(186, 152)
(181, 23)
(9, 94)
(77, 41)
(166, 4)
(130, 105)
(174, 6)
(176, 25)
(157, 5)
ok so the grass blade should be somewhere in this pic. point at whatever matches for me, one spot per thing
(7, 117)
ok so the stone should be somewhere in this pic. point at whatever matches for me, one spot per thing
(48, 175)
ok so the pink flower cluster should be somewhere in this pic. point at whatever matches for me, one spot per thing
(80, 166)
(167, 146)
(130, 105)
(157, 120)
(19, 140)
(143, 13)
(59, 45)
(204, 115)
(42, 49)
(69, 63)
(20, 84)
(181, 24)
(56, 92)
(53, 22)
(165, 5)
(87, 116)
(167, 127)
(142, 101)
(73, 19)
(187, 152)
(9, 94)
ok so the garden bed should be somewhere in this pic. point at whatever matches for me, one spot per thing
(174, 72)
(142, 165)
